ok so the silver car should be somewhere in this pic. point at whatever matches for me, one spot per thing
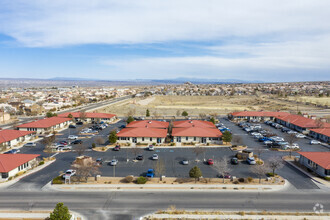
(114, 162)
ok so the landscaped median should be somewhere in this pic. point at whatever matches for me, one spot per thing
(170, 183)
(173, 213)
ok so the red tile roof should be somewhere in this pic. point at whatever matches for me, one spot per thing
(302, 121)
(324, 131)
(8, 135)
(88, 115)
(9, 162)
(193, 123)
(45, 123)
(196, 132)
(142, 132)
(259, 114)
(320, 158)
(148, 124)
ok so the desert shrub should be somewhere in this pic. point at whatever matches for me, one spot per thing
(10, 178)
(234, 145)
(172, 144)
(241, 180)
(41, 162)
(259, 162)
(249, 179)
(327, 178)
(154, 143)
(93, 145)
(141, 180)
(57, 180)
(128, 144)
(208, 144)
(128, 179)
(271, 174)
(236, 182)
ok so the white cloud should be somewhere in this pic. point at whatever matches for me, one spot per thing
(41, 23)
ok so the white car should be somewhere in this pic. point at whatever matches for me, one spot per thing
(114, 162)
(300, 136)
(69, 173)
(315, 142)
(291, 132)
(73, 137)
(251, 160)
(155, 157)
(293, 146)
(63, 147)
(185, 162)
(30, 144)
(151, 148)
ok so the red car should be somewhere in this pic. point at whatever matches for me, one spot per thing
(64, 142)
(210, 161)
(116, 148)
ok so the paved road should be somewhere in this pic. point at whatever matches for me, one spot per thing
(131, 205)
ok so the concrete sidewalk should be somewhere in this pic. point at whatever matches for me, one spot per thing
(165, 187)
(33, 214)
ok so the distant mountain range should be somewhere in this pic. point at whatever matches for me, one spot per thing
(166, 81)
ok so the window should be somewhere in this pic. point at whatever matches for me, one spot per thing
(150, 139)
(4, 175)
(186, 138)
(142, 138)
(194, 138)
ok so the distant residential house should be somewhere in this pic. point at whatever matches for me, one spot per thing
(11, 164)
(300, 123)
(45, 125)
(90, 116)
(257, 115)
(322, 134)
(28, 102)
(195, 131)
(319, 162)
(143, 135)
(11, 138)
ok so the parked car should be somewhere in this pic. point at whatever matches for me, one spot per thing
(72, 126)
(114, 162)
(268, 143)
(12, 151)
(185, 162)
(251, 160)
(77, 142)
(226, 175)
(72, 137)
(292, 132)
(63, 147)
(116, 148)
(79, 123)
(151, 147)
(285, 129)
(30, 144)
(234, 160)
(293, 146)
(210, 162)
(315, 142)
(139, 157)
(150, 173)
(300, 136)
(123, 126)
(69, 173)
(155, 157)
(99, 161)
(63, 142)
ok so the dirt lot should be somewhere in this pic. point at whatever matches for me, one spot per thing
(194, 105)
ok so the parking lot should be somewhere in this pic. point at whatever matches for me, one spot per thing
(171, 157)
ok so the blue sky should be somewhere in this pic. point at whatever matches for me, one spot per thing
(152, 39)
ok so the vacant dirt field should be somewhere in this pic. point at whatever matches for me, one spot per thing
(324, 101)
(194, 105)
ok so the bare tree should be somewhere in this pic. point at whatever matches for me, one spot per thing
(178, 113)
(221, 166)
(237, 140)
(48, 141)
(291, 138)
(159, 168)
(131, 112)
(198, 151)
(275, 163)
(319, 123)
(99, 141)
(80, 149)
(82, 116)
(202, 116)
(85, 170)
(260, 170)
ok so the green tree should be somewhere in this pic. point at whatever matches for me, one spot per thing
(195, 172)
(129, 119)
(226, 136)
(50, 114)
(60, 212)
(113, 137)
(147, 113)
(212, 120)
(184, 113)
(70, 116)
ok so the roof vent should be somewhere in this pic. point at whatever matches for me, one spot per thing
(149, 122)
(190, 121)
